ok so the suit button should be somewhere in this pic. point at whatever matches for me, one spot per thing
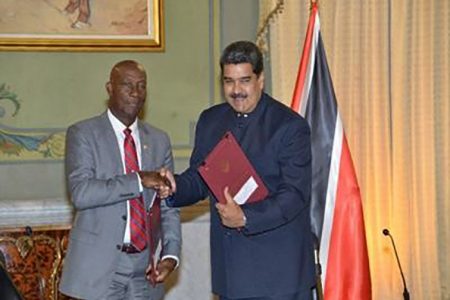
(124, 217)
(118, 247)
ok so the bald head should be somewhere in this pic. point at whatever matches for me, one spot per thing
(127, 89)
(125, 65)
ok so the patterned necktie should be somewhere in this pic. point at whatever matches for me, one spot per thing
(138, 233)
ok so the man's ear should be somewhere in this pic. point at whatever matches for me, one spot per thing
(261, 80)
(109, 88)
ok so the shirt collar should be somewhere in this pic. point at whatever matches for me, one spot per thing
(259, 107)
(118, 126)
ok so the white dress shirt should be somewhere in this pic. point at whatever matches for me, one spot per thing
(119, 127)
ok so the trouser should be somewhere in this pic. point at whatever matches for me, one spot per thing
(303, 295)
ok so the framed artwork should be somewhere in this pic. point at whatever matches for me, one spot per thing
(82, 25)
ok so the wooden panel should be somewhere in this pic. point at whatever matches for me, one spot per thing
(34, 259)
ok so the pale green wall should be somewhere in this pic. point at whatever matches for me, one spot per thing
(59, 88)
(238, 20)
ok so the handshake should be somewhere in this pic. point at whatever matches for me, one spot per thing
(161, 181)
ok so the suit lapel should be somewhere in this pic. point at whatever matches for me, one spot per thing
(111, 142)
(146, 148)
(147, 163)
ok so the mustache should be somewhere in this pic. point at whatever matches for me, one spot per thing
(238, 95)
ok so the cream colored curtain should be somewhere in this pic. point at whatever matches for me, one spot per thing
(268, 11)
(390, 63)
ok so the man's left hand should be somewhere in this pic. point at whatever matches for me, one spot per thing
(230, 213)
(163, 270)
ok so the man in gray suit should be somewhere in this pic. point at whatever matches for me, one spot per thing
(102, 261)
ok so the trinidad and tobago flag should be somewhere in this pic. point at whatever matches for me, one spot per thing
(336, 207)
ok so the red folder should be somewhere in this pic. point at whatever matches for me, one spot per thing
(227, 165)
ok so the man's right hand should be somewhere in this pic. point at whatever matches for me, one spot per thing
(161, 181)
(170, 182)
(154, 180)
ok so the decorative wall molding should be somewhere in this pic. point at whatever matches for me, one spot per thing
(35, 212)
(59, 212)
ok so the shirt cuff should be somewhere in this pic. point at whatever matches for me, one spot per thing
(169, 201)
(141, 188)
(173, 257)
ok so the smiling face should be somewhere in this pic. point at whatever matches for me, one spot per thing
(127, 91)
(242, 88)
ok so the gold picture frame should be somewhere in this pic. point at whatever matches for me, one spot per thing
(82, 25)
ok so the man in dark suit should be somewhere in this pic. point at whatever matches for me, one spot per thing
(261, 250)
(108, 254)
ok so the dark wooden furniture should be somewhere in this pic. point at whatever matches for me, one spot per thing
(34, 258)
(8, 291)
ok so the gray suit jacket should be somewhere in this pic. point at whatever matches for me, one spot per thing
(99, 191)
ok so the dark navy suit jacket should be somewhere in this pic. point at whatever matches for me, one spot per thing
(273, 254)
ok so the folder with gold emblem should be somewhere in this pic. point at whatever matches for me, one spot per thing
(228, 166)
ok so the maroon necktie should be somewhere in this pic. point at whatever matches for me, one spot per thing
(154, 237)
(138, 233)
